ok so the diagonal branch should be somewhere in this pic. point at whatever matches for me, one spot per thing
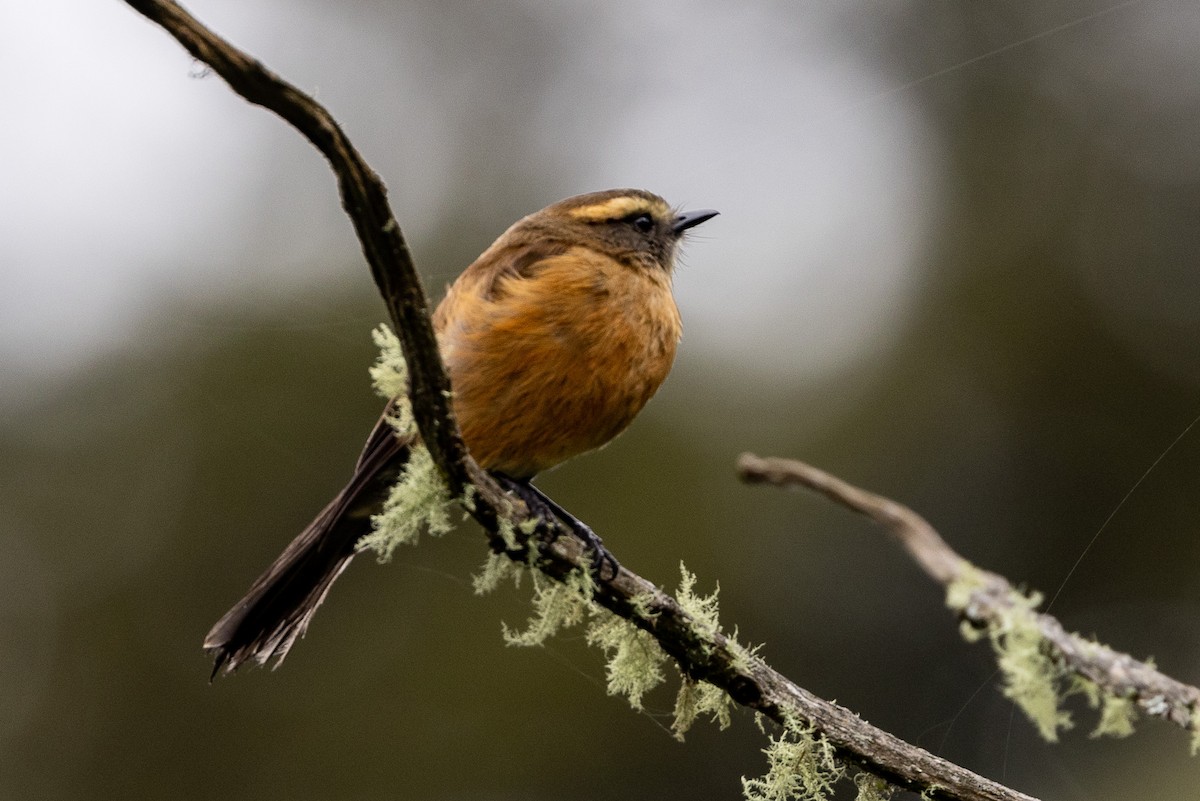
(992, 595)
(701, 654)
(364, 198)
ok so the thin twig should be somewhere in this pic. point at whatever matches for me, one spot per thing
(364, 198)
(1117, 673)
(701, 655)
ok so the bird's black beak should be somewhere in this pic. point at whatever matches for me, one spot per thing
(690, 219)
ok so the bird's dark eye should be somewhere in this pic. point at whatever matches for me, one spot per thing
(643, 222)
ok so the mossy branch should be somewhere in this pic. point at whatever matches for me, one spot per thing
(1041, 661)
(701, 653)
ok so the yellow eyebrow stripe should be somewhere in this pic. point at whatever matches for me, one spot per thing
(618, 207)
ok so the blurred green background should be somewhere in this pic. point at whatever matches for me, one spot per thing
(955, 264)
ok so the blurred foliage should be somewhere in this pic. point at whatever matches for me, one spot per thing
(1049, 360)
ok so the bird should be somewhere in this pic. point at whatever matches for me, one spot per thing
(554, 338)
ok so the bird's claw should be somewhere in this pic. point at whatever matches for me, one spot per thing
(541, 505)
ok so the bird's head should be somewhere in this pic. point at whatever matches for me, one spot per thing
(634, 226)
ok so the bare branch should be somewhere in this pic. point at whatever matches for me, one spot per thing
(1114, 672)
(364, 198)
(700, 654)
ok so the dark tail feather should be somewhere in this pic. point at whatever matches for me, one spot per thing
(277, 608)
(279, 605)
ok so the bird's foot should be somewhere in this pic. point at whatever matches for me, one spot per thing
(543, 506)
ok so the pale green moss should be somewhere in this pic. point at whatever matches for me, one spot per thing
(1195, 726)
(1117, 714)
(801, 765)
(390, 371)
(1081, 685)
(687, 708)
(515, 534)
(508, 532)
(635, 660)
(872, 788)
(419, 500)
(1116, 717)
(389, 374)
(744, 656)
(643, 605)
(696, 698)
(468, 497)
(703, 609)
(970, 632)
(1030, 677)
(959, 591)
(701, 698)
(497, 569)
(556, 605)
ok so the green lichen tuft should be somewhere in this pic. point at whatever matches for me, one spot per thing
(705, 611)
(419, 500)
(970, 632)
(1031, 679)
(696, 698)
(515, 535)
(1117, 714)
(644, 605)
(468, 497)
(872, 788)
(959, 591)
(1195, 726)
(389, 374)
(508, 533)
(496, 570)
(556, 605)
(744, 656)
(635, 660)
(702, 608)
(1116, 717)
(801, 765)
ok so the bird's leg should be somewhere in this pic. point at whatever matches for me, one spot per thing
(600, 554)
(544, 506)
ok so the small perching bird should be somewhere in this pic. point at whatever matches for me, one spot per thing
(554, 339)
